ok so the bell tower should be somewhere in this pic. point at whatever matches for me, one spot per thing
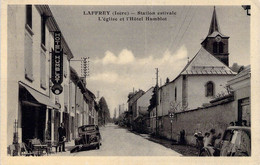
(216, 43)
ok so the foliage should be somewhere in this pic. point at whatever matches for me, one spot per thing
(153, 99)
(104, 114)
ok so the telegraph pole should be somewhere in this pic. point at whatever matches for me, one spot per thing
(156, 105)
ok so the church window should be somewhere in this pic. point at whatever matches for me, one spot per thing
(218, 47)
(215, 47)
(209, 89)
(221, 47)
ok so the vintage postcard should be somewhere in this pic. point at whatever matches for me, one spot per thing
(129, 82)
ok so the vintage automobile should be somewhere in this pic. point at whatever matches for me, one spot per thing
(236, 141)
(89, 136)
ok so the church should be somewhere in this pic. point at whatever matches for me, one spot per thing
(203, 78)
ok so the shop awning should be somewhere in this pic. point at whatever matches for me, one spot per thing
(42, 99)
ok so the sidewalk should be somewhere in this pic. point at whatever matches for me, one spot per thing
(185, 150)
(68, 146)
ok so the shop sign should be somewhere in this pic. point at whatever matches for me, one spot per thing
(57, 64)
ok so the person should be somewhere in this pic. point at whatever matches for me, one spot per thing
(62, 137)
(213, 137)
(206, 139)
(199, 140)
(182, 137)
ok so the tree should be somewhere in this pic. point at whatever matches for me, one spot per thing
(104, 111)
(153, 99)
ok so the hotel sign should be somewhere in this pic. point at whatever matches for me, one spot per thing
(57, 64)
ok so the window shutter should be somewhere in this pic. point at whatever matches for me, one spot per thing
(66, 95)
(43, 70)
(28, 58)
(65, 65)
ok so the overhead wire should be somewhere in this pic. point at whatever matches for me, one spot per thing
(192, 16)
(174, 45)
(175, 29)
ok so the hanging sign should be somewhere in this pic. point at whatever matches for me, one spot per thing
(57, 64)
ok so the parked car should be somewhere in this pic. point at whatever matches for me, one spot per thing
(89, 136)
(236, 141)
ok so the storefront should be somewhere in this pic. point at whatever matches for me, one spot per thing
(35, 111)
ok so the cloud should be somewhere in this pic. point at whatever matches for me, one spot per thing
(124, 57)
(116, 75)
(109, 58)
(107, 77)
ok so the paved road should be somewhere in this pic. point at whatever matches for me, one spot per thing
(120, 142)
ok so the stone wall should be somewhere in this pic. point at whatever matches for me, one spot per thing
(204, 119)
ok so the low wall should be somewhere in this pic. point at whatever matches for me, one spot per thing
(217, 117)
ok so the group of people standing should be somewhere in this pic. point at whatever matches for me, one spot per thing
(208, 139)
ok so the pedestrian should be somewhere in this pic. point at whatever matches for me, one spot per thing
(62, 137)
(212, 137)
(206, 139)
(182, 137)
(199, 140)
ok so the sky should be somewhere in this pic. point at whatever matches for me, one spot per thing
(124, 54)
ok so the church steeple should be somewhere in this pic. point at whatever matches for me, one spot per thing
(214, 23)
(216, 43)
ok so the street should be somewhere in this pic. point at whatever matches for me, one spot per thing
(117, 141)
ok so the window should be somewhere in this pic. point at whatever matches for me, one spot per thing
(43, 35)
(43, 69)
(221, 47)
(209, 89)
(29, 15)
(175, 95)
(28, 44)
(218, 47)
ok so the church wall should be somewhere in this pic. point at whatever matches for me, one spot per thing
(167, 99)
(197, 91)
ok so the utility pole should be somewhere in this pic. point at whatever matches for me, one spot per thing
(156, 105)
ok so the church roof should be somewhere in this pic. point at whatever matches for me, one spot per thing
(214, 28)
(215, 33)
(204, 63)
(214, 23)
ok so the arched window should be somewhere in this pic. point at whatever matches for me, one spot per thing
(209, 89)
(221, 47)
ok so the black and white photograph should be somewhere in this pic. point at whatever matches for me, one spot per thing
(128, 80)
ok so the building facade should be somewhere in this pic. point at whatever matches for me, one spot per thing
(241, 86)
(33, 110)
(202, 79)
